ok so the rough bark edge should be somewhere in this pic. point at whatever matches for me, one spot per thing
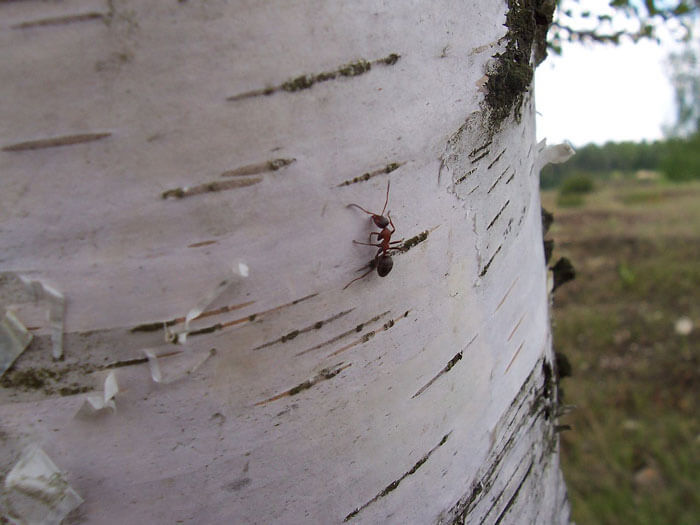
(511, 74)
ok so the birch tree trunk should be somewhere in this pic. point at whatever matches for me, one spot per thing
(150, 147)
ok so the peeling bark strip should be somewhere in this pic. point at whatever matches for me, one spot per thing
(452, 362)
(255, 169)
(366, 176)
(323, 375)
(547, 220)
(302, 82)
(210, 187)
(345, 334)
(391, 486)
(60, 20)
(562, 272)
(498, 215)
(294, 333)
(53, 142)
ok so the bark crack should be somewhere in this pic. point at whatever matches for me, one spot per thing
(303, 82)
(452, 362)
(394, 484)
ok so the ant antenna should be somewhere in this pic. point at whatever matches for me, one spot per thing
(388, 183)
(358, 206)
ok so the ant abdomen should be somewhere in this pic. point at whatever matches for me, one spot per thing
(384, 264)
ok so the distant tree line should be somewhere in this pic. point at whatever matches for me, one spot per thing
(678, 159)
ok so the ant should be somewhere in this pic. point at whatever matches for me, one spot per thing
(382, 260)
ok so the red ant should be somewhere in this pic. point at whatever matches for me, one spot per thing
(382, 260)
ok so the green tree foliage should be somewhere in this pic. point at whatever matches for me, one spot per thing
(682, 159)
(573, 189)
(685, 76)
(576, 184)
(574, 20)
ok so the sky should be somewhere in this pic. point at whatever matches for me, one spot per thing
(599, 93)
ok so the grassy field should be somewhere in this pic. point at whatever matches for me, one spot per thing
(633, 454)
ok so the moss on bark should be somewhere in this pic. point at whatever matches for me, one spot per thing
(511, 76)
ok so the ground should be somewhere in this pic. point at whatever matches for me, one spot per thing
(633, 453)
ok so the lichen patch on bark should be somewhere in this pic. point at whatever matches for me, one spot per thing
(511, 75)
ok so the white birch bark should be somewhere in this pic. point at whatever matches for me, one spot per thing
(425, 396)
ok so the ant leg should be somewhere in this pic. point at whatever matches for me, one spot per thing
(373, 233)
(367, 244)
(393, 228)
(358, 278)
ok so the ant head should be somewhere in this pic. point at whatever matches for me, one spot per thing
(381, 221)
(384, 264)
